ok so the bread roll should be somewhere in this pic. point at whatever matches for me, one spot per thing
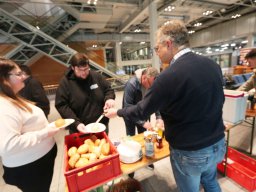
(59, 122)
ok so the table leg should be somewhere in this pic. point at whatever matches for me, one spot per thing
(226, 155)
(252, 134)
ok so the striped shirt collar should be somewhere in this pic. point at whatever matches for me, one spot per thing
(180, 53)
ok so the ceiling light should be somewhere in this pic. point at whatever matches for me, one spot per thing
(232, 44)
(120, 43)
(137, 30)
(169, 8)
(142, 42)
(235, 16)
(190, 32)
(197, 24)
(225, 45)
(208, 12)
(244, 42)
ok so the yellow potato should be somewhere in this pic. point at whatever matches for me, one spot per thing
(82, 162)
(83, 149)
(73, 159)
(93, 157)
(102, 141)
(89, 142)
(97, 142)
(72, 151)
(105, 149)
(86, 155)
(97, 151)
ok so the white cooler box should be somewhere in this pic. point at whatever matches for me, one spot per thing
(235, 106)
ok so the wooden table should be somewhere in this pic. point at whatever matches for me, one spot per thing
(159, 154)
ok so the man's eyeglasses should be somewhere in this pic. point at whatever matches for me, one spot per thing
(156, 48)
(19, 74)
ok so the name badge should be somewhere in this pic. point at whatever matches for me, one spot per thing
(95, 86)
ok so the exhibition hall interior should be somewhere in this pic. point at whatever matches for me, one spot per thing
(118, 37)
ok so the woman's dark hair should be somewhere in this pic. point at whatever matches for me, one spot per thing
(25, 69)
(79, 60)
(6, 66)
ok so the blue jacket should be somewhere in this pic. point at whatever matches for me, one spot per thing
(133, 93)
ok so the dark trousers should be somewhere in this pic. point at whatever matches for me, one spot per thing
(35, 176)
(131, 128)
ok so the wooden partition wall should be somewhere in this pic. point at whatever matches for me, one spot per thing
(47, 70)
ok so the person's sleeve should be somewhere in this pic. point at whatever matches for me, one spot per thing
(39, 96)
(62, 102)
(248, 85)
(12, 138)
(155, 99)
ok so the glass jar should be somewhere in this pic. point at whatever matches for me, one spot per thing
(149, 147)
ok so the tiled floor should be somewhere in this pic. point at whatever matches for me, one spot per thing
(158, 180)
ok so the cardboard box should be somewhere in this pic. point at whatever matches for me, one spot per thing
(93, 174)
(235, 106)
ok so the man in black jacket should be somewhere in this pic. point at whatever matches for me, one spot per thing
(83, 94)
(34, 91)
(189, 96)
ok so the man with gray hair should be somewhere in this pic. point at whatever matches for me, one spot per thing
(189, 95)
(134, 91)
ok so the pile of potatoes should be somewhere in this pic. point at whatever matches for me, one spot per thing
(92, 150)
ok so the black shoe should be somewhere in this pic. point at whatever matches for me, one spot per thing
(151, 166)
(131, 175)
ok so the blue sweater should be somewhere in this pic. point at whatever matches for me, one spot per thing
(189, 95)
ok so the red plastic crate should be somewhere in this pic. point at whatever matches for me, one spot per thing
(85, 178)
(242, 169)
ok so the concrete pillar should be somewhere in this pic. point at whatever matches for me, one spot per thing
(153, 27)
(118, 55)
(250, 39)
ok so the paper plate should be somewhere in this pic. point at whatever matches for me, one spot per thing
(67, 123)
(93, 128)
(129, 151)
